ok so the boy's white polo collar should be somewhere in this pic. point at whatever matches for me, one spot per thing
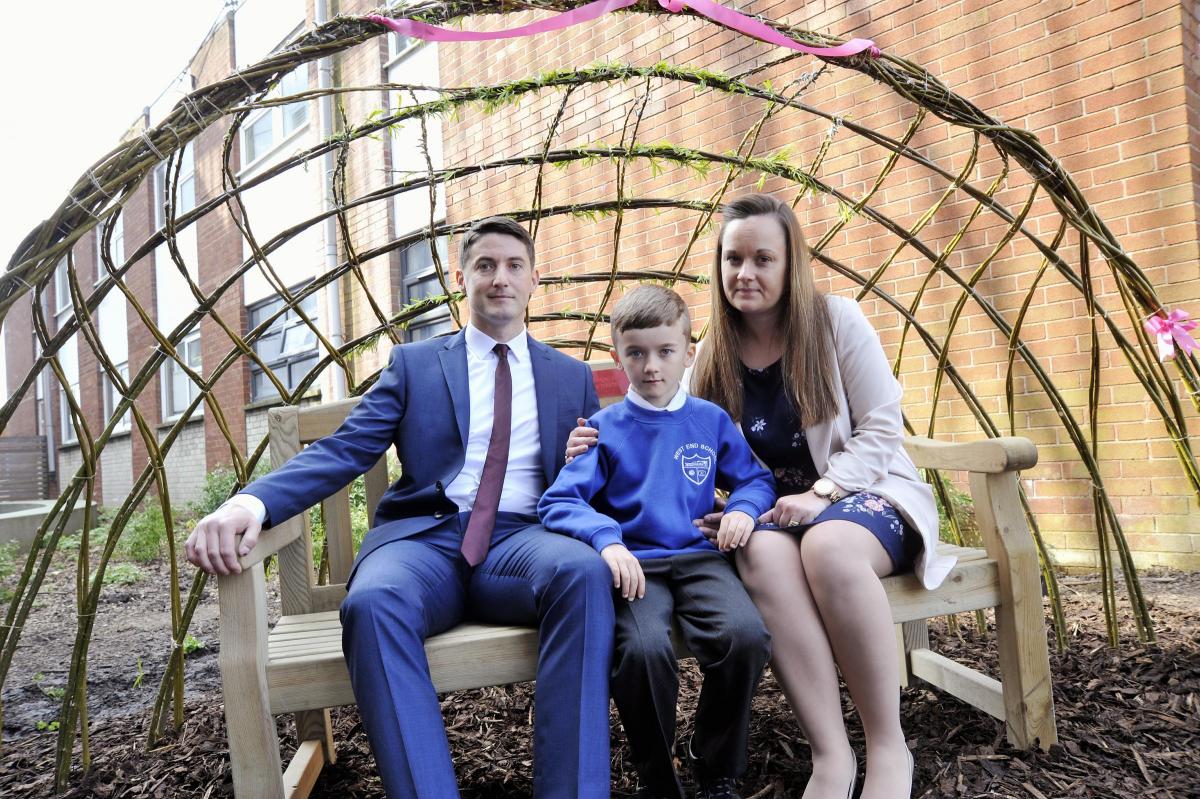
(480, 344)
(675, 404)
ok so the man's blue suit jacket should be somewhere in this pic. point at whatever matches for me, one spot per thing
(421, 405)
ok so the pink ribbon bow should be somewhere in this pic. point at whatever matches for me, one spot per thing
(1171, 330)
(714, 11)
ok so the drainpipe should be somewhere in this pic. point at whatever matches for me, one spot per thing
(333, 294)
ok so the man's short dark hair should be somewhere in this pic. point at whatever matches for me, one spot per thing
(493, 224)
(647, 306)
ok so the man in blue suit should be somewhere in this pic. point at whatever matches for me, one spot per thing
(457, 535)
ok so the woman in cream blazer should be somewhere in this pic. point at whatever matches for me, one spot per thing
(806, 377)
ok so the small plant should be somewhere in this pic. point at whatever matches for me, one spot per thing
(191, 644)
(122, 574)
(54, 692)
(137, 680)
(144, 537)
(51, 726)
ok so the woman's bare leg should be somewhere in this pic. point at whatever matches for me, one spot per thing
(843, 562)
(772, 569)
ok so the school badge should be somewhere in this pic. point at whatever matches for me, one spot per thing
(696, 468)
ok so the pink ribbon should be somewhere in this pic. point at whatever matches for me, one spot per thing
(586, 13)
(1171, 330)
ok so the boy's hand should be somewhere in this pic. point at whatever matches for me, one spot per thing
(627, 572)
(710, 524)
(581, 439)
(735, 530)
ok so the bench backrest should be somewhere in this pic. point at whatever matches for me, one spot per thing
(291, 429)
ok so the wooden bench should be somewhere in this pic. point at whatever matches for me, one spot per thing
(297, 667)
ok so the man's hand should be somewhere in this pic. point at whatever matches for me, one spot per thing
(627, 572)
(735, 530)
(581, 439)
(794, 510)
(710, 524)
(213, 547)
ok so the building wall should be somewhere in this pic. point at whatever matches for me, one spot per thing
(115, 462)
(185, 463)
(1103, 85)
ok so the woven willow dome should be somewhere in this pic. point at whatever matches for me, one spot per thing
(929, 268)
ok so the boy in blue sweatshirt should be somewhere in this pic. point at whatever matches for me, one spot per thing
(633, 497)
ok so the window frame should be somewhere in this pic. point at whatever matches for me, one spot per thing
(280, 136)
(109, 398)
(286, 361)
(409, 280)
(166, 375)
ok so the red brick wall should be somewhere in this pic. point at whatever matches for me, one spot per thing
(1103, 85)
(220, 250)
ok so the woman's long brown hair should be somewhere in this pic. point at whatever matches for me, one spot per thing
(805, 326)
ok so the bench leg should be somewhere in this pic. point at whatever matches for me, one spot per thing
(249, 726)
(315, 725)
(1020, 619)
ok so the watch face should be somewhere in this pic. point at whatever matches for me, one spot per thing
(823, 487)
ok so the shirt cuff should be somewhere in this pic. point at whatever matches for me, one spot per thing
(250, 503)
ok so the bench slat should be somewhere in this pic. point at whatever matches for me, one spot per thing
(306, 668)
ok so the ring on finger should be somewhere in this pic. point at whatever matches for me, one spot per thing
(794, 523)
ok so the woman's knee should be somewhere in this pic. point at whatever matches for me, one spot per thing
(832, 555)
(769, 558)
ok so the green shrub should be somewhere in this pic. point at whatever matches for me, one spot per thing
(218, 486)
(964, 511)
(9, 555)
(145, 535)
(122, 574)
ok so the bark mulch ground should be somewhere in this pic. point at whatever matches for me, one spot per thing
(1128, 721)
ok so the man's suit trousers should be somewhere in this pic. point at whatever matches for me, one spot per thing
(410, 589)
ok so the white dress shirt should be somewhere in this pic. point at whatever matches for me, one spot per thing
(524, 481)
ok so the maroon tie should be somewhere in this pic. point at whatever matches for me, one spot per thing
(487, 498)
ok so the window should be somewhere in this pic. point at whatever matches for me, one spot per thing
(268, 128)
(112, 396)
(185, 191)
(62, 288)
(116, 247)
(178, 389)
(418, 280)
(288, 347)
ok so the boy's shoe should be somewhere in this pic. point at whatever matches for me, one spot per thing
(717, 788)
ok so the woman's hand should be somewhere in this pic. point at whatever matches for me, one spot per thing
(793, 510)
(582, 438)
(710, 525)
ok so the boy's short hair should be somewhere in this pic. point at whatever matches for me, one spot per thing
(493, 224)
(647, 306)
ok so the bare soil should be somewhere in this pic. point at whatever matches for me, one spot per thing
(1128, 719)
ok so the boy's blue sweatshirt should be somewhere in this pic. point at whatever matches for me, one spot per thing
(652, 473)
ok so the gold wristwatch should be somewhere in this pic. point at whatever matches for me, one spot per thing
(827, 489)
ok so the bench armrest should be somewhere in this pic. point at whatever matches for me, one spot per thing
(271, 541)
(990, 456)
